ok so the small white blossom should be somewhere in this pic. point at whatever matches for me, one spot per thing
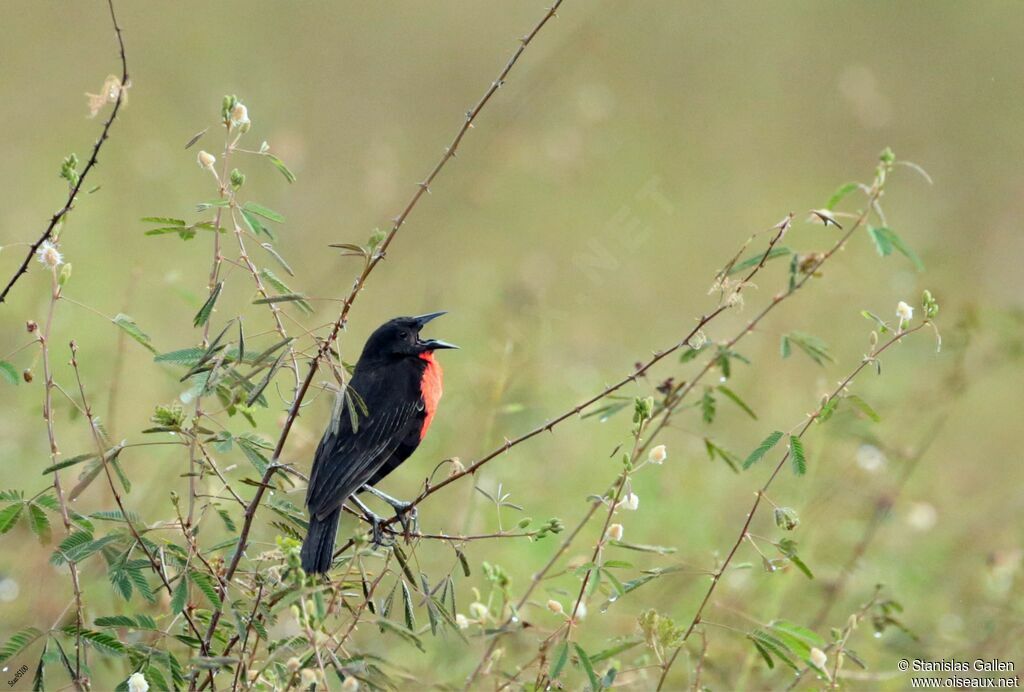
(581, 611)
(904, 312)
(818, 657)
(206, 160)
(658, 455)
(240, 117)
(698, 340)
(870, 458)
(630, 502)
(293, 664)
(137, 683)
(556, 607)
(49, 256)
(478, 610)
(922, 516)
(615, 532)
(461, 621)
(351, 684)
(308, 676)
(264, 148)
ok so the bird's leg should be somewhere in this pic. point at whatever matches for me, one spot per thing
(376, 521)
(405, 511)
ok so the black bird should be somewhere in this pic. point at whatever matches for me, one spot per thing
(392, 398)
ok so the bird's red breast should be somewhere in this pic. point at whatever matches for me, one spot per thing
(430, 388)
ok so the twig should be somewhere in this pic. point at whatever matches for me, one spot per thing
(93, 159)
(717, 576)
(341, 321)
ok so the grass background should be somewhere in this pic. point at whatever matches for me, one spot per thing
(559, 271)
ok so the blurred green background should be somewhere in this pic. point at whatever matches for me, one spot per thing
(632, 151)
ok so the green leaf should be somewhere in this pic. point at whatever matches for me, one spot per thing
(205, 584)
(180, 595)
(735, 398)
(70, 544)
(751, 262)
(811, 637)
(763, 651)
(839, 194)
(127, 324)
(588, 667)
(796, 447)
(774, 645)
(815, 348)
(250, 446)
(707, 406)
(886, 240)
(558, 660)
(763, 448)
(256, 226)
(115, 621)
(69, 462)
(279, 165)
(864, 407)
(9, 517)
(282, 288)
(8, 373)
(410, 617)
(254, 395)
(103, 642)
(18, 642)
(39, 523)
(260, 210)
(203, 316)
(165, 220)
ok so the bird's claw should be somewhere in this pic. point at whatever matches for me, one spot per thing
(408, 517)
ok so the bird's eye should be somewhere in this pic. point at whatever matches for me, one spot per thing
(403, 335)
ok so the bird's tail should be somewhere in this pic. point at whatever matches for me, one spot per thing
(318, 548)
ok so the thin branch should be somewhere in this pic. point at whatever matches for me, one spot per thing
(717, 576)
(93, 159)
(357, 287)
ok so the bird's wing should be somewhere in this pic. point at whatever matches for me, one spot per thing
(347, 458)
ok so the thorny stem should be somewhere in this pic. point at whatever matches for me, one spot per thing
(93, 160)
(155, 564)
(357, 287)
(717, 576)
(48, 387)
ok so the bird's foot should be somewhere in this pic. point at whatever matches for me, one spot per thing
(405, 512)
(409, 517)
(377, 531)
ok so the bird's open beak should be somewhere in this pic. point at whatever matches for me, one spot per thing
(423, 319)
(436, 345)
(432, 344)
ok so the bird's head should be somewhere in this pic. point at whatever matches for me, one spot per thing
(400, 338)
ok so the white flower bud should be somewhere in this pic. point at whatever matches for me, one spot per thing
(615, 532)
(478, 610)
(904, 312)
(264, 148)
(239, 115)
(308, 676)
(818, 657)
(698, 340)
(556, 607)
(630, 502)
(581, 611)
(351, 684)
(49, 256)
(206, 160)
(461, 621)
(922, 516)
(293, 664)
(658, 454)
(137, 683)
